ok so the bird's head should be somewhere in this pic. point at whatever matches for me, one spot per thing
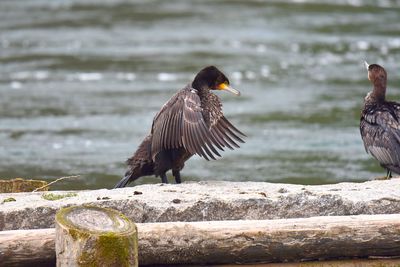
(212, 78)
(376, 73)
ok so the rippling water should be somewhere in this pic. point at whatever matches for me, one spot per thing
(80, 82)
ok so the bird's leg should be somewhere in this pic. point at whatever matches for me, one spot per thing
(388, 174)
(164, 179)
(177, 176)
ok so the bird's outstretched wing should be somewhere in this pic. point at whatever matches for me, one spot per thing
(380, 131)
(181, 123)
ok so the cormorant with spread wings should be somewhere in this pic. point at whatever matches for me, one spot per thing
(380, 124)
(191, 122)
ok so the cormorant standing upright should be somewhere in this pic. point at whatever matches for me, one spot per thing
(380, 124)
(191, 122)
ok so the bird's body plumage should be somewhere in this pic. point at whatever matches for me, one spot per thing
(190, 122)
(380, 131)
(380, 123)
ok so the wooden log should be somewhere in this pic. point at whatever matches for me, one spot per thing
(94, 236)
(218, 242)
(284, 240)
(28, 248)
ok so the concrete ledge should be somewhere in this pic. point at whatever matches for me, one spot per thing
(207, 201)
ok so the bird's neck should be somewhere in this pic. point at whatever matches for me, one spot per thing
(379, 91)
(208, 99)
(203, 92)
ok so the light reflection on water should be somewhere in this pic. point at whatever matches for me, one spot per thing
(81, 82)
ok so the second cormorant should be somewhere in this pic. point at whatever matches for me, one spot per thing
(380, 124)
(191, 122)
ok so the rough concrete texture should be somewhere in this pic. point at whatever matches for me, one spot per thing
(205, 201)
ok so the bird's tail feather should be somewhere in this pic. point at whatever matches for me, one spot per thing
(129, 177)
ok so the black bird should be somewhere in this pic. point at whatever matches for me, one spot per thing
(380, 125)
(191, 122)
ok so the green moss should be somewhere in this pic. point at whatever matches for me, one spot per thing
(10, 199)
(114, 248)
(76, 234)
(86, 259)
(111, 249)
(51, 196)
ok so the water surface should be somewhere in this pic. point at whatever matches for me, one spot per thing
(80, 82)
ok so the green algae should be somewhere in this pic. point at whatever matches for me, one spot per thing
(10, 199)
(52, 197)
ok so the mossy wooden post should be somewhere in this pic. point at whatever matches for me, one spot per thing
(94, 236)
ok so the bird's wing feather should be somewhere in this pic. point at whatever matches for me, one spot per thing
(181, 123)
(380, 132)
(166, 126)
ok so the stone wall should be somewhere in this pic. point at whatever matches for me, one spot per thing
(207, 201)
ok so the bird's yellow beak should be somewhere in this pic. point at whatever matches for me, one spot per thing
(225, 86)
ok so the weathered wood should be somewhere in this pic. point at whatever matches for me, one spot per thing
(94, 236)
(270, 241)
(27, 247)
(217, 242)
